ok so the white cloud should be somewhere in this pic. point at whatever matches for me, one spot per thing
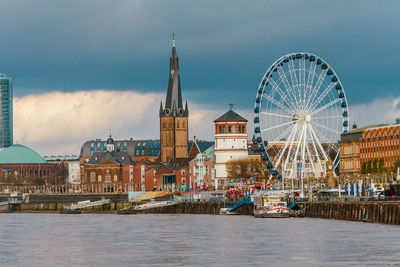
(58, 123)
(381, 110)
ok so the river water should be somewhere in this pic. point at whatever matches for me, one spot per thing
(192, 240)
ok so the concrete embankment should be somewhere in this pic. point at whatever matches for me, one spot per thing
(55, 203)
(198, 208)
(377, 212)
(179, 208)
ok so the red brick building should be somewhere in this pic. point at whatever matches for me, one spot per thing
(20, 164)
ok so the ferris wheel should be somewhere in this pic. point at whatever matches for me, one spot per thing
(299, 113)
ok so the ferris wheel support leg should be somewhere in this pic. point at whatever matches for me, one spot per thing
(297, 151)
(289, 151)
(315, 149)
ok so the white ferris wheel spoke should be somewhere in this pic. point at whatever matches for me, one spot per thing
(325, 127)
(293, 78)
(318, 84)
(277, 103)
(302, 80)
(276, 115)
(294, 163)
(325, 106)
(311, 161)
(283, 133)
(287, 86)
(318, 142)
(310, 80)
(328, 142)
(303, 150)
(327, 117)
(291, 141)
(282, 152)
(277, 126)
(323, 95)
(315, 148)
(276, 87)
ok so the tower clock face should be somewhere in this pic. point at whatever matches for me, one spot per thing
(172, 72)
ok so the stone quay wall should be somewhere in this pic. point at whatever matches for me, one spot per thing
(198, 208)
(376, 212)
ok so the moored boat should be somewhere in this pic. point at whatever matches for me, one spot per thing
(268, 206)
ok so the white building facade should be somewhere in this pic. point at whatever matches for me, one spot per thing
(74, 172)
(230, 143)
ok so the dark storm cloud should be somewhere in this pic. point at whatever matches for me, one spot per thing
(224, 46)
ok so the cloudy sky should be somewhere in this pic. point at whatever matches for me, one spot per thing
(82, 67)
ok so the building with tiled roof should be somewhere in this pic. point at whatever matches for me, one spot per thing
(230, 143)
(202, 168)
(138, 150)
(363, 146)
(20, 164)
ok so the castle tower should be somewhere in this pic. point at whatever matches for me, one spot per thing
(173, 116)
(230, 142)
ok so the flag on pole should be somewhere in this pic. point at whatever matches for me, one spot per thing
(398, 173)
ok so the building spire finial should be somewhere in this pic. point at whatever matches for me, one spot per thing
(231, 106)
(110, 132)
(173, 38)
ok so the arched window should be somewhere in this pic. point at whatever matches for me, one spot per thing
(183, 124)
(178, 125)
(229, 129)
(220, 129)
(223, 129)
(164, 125)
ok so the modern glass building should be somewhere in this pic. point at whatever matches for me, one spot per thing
(6, 112)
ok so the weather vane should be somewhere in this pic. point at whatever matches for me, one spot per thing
(231, 106)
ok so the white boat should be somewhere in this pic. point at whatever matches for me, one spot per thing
(267, 206)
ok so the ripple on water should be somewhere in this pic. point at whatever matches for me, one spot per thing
(200, 240)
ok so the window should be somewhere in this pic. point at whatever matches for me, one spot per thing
(183, 172)
(93, 177)
(233, 129)
(183, 180)
(178, 125)
(229, 129)
(220, 129)
(115, 178)
(107, 178)
(99, 178)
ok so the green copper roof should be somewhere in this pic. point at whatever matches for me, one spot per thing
(18, 154)
(209, 153)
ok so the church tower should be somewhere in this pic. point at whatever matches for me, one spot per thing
(173, 116)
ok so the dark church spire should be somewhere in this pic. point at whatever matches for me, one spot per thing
(174, 93)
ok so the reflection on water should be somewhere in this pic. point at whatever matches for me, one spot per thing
(104, 240)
